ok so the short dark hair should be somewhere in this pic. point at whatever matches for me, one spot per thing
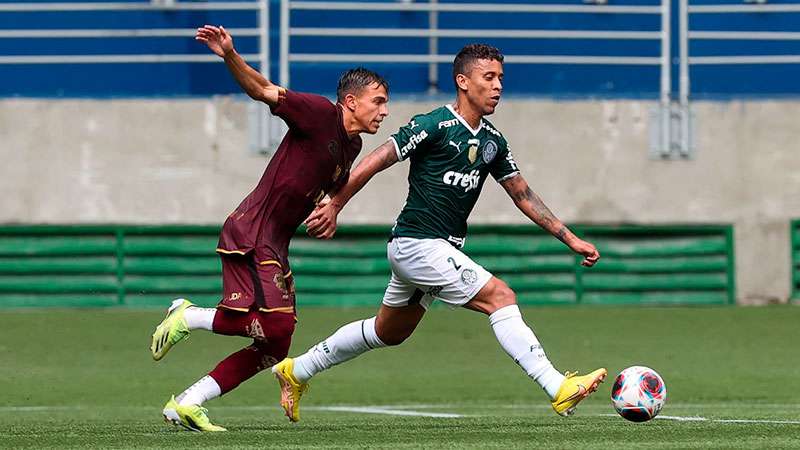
(472, 52)
(354, 80)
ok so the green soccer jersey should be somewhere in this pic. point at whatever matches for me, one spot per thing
(449, 163)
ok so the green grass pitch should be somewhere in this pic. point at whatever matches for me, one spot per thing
(85, 379)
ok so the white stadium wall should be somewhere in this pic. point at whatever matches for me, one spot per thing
(186, 161)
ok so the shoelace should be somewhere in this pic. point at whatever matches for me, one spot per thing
(204, 413)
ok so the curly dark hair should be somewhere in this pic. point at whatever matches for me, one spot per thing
(354, 80)
(472, 52)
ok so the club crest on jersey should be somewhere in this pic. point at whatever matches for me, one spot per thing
(337, 173)
(468, 276)
(489, 151)
(333, 147)
(472, 154)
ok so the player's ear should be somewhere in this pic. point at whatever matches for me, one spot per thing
(350, 102)
(462, 81)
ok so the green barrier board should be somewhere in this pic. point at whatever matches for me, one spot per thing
(142, 266)
(795, 246)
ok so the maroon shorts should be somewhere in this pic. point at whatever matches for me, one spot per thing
(251, 285)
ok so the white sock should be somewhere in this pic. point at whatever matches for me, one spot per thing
(205, 389)
(199, 318)
(518, 340)
(345, 344)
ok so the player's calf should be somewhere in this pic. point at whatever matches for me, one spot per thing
(393, 325)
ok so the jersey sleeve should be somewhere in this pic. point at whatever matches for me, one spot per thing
(301, 111)
(415, 137)
(504, 167)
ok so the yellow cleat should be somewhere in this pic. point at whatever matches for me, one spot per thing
(191, 417)
(171, 330)
(576, 388)
(291, 389)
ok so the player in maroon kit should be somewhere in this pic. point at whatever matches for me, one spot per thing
(258, 301)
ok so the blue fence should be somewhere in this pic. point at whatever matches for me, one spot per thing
(195, 78)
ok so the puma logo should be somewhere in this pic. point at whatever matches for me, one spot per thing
(457, 146)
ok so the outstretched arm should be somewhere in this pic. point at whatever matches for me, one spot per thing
(322, 222)
(252, 83)
(532, 206)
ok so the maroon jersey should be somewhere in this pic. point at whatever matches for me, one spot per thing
(313, 159)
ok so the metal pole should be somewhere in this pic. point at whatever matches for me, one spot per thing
(262, 126)
(433, 49)
(684, 76)
(666, 81)
(263, 37)
(284, 41)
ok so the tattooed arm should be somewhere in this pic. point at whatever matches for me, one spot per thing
(532, 206)
(322, 222)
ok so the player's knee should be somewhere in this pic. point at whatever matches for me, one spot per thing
(494, 295)
(275, 337)
(504, 295)
(284, 332)
(279, 350)
(500, 296)
(277, 326)
(392, 337)
(272, 352)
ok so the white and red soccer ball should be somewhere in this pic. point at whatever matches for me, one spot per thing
(638, 393)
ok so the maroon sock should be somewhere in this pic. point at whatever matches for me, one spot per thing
(238, 367)
(272, 336)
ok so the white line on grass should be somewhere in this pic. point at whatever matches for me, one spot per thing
(396, 410)
(390, 410)
(546, 405)
(40, 408)
(381, 410)
(706, 419)
(679, 418)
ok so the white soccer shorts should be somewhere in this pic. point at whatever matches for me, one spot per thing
(427, 269)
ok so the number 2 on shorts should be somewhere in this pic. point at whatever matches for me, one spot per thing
(455, 266)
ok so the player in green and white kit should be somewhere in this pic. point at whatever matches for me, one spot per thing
(449, 163)
(452, 149)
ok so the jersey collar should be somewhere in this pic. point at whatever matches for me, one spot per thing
(464, 122)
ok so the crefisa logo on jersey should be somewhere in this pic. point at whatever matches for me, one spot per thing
(468, 181)
(489, 151)
(413, 141)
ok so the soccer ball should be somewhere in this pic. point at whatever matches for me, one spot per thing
(638, 393)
